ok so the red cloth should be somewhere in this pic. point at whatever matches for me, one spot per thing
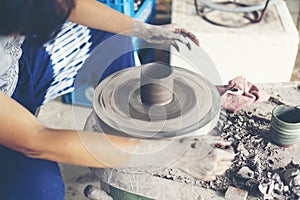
(239, 93)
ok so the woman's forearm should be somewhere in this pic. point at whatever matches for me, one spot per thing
(84, 148)
(22, 132)
(96, 15)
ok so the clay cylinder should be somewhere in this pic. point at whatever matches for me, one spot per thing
(285, 125)
(156, 84)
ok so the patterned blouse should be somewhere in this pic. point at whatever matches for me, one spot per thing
(35, 74)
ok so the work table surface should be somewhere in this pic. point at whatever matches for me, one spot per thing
(58, 115)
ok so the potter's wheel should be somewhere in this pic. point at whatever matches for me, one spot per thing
(178, 103)
(182, 103)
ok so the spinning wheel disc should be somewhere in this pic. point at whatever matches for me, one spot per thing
(119, 108)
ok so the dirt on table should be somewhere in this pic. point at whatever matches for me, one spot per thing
(257, 167)
(261, 168)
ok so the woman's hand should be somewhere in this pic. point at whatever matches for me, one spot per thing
(99, 16)
(164, 34)
(206, 159)
(203, 157)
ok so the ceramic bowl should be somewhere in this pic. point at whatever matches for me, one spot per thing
(285, 125)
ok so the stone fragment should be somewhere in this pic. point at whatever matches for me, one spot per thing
(279, 196)
(246, 173)
(269, 174)
(251, 121)
(241, 148)
(278, 187)
(296, 190)
(240, 118)
(296, 180)
(286, 188)
(267, 190)
(249, 114)
(236, 194)
(237, 137)
(258, 168)
(290, 174)
(276, 177)
(263, 188)
(271, 188)
(251, 183)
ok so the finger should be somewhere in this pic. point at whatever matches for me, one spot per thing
(170, 27)
(175, 45)
(189, 46)
(220, 154)
(203, 149)
(212, 140)
(220, 171)
(193, 38)
(201, 172)
(185, 41)
(222, 168)
(209, 178)
(216, 141)
(223, 145)
(187, 34)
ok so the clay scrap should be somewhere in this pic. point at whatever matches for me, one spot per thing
(260, 170)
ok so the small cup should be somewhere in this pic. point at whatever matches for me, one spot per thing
(285, 125)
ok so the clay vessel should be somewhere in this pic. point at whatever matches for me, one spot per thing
(285, 125)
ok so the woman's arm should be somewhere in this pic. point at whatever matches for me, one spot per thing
(96, 15)
(21, 131)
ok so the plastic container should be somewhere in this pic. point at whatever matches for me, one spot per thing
(123, 6)
(145, 12)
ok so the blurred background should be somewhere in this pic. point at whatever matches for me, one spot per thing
(163, 16)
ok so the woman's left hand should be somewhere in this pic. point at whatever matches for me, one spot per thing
(164, 34)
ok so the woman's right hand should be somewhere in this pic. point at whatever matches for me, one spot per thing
(207, 158)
